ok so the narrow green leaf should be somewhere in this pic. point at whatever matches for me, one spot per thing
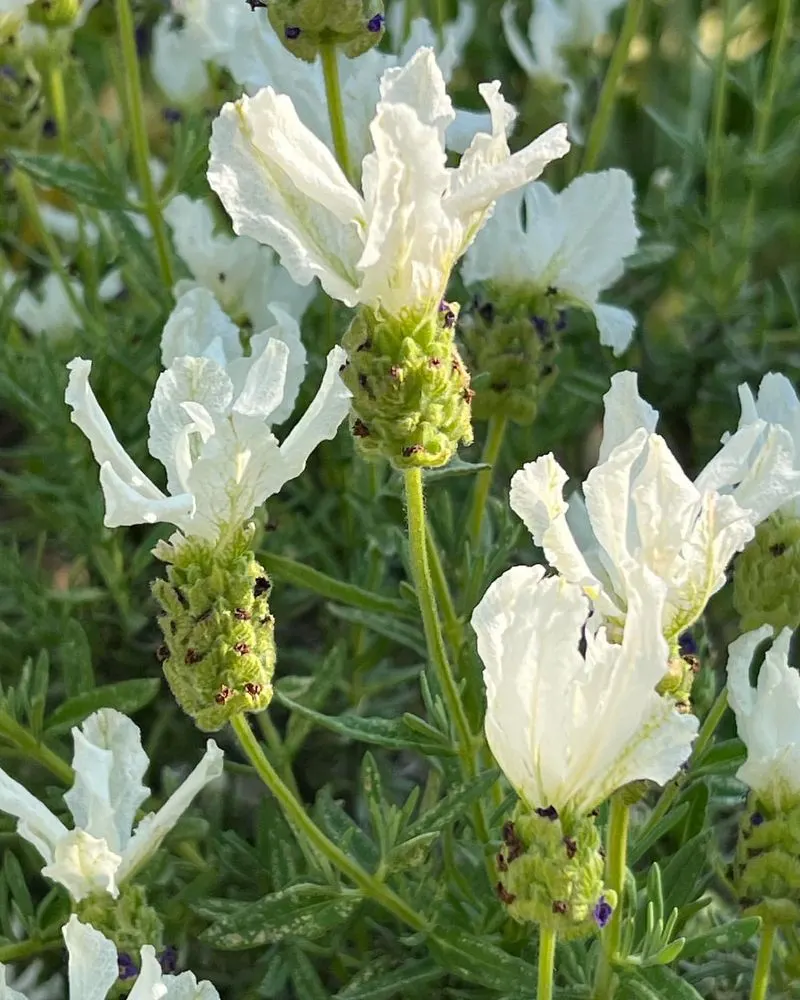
(721, 758)
(457, 467)
(667, 984)
(402, 633)
(651, 836)
(683, 874)
(76, 660)
(304, 576)
(477, 960)
(126, 696)
(394, 734)
(344, 831)
(726, 937)
(306, 980)
(453, 805)
(372, 983)
(85, 184)
(411, 853)
(18, 887)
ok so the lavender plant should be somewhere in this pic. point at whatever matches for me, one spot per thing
(365, 290)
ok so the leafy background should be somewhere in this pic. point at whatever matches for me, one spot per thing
(718, 304)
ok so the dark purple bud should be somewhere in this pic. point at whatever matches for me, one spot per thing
(376, 23)
(168, 959)
(291, 31)
(550, 813)
(541, 326)
(49, 128)
(602, 912)
(256, 4)
(756, 819)
(8, 72)
(687, 644)
(172, 115)
(487, 312)
(561, 320)
(127, 967)
(144, 40)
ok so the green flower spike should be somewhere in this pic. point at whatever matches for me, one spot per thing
(219, 647)
(304, 26)
(511, 343)
(54, 13)
(766, 581)
(767, 864)
(411, 390)
(551, 873)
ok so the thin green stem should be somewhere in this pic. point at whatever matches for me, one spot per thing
(12, 731)
(275, 743)
(26, 949)
(780, 37)
(415, 508)
(608, 94)
(333, 92)
(495, 435)
(616, 866)
(371, 886)
(412, 11)
(763, 962)
(439, 17)
(710, 723)
(58, 102)
(138, 132)
(444, 599)
(547, 963)
(714, 167)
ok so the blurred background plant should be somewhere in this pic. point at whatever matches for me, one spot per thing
(705, 119)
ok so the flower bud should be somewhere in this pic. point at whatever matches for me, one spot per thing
(130, 922)
(512, 344)
(54, 13)
(22, 111)
(767, 863)
(304, 26)
(551, 873)
(219, 648)
(766, 581)
(411, 390)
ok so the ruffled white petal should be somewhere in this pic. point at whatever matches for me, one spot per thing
(153, 828)
(321, 420)
(186, 987)
(283, 327)
(198, 326)
(109, 764)
(36, 823)
(625, 412)
(84, 865)
(150, 981)
(178, 66)
(92, 961)
(615, 326)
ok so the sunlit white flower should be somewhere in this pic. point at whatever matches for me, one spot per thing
(640, 508)
(244, 276)
(393, 246)
(776, 403)
(67, 226)
(574, 242)
(570, 728)
(192, 34)
(48, 311)
(93, 970)
(102, 850)
(767, 718)
(210, 421)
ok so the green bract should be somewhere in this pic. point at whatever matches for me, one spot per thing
(304, 26)
(767, 865)
(219, 648)
(411, 390)
(766, 582)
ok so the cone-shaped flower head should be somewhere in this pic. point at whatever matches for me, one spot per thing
(391, 245)
(210, 427)
(103, 850)
(767, 718)
(561, 249)
(570, 728)
(94, 966)
(640, 509)
(243, 276)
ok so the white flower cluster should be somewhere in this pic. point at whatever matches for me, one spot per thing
(638, 555)
(103, 850)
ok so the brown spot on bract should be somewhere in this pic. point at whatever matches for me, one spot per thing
(192, 656)
(504, 895)
(242, 648)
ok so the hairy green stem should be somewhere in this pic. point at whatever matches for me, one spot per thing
(444, 599)
(760, 985)
(58, 102)
(495, 435)
(547, 962)
(440, 17)
(780, 37)
(12, 731)
(333, 92)
(27, 949)
(616, 865)
(275, 743)
(371, 886)
(141, 150)
(596, 138)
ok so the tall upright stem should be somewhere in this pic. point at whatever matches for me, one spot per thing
(719, 106)
(495, 435)
(306, 827)
(415, 506)
(608, 95)
(58, 102)
(547, 961)
(333, 92)
(616, 866)
(763, 963)
(783, 22)
(138, 131)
